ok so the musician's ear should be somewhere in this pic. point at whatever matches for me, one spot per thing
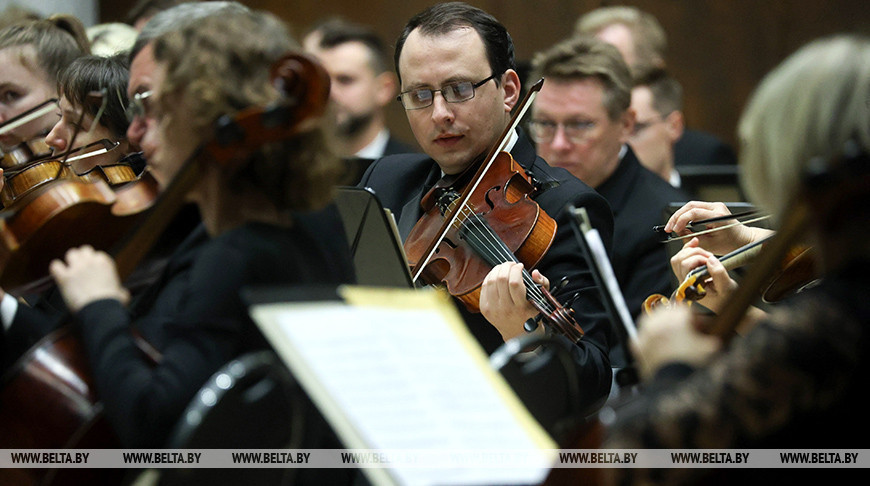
(510, 84)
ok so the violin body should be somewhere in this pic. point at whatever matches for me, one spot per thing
(112, 174)
(797, 270)
(25, 180)
(28, 176)
(503, 199)
(66, 213)
(25, 153)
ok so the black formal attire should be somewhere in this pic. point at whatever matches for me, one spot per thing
(639, 198)
(400, 182)
(396, 146)
(356, 166)
(701, 148)
(194, 315)
(45, 312)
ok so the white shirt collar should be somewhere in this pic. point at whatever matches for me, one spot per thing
(376, 148)
(675, 178)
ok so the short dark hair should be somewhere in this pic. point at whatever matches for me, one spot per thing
(667, 93)
(108, 75)
(336, 31)
(446, 17)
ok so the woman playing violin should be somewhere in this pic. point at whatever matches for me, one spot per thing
(264, 224)
(32, 55)
(797, 378)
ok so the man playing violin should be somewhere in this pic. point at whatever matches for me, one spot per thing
(459, 84)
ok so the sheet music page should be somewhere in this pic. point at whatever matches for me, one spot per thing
(402, 372)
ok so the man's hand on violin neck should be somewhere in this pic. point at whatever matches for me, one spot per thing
(503, 299)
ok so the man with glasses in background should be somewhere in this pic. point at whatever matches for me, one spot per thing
(581, 121)
(657, 101)
(459, 84)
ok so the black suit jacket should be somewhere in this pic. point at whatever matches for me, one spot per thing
(400, 182)
(638, 198)
(700, 148)
(396, 146)
(356, 166)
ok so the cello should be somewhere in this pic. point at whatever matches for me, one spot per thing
(305, 86)
(484, 218)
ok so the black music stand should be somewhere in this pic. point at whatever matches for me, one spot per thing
(378, 256)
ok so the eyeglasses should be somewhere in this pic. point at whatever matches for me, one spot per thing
(643, 125)
(138, 105)
(543, 131)
(416, 99)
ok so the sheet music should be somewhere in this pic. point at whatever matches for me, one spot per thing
(406, 378)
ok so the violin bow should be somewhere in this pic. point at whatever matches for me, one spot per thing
(718, 228)
(29, 115)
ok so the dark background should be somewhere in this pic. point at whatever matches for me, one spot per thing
(718, 49)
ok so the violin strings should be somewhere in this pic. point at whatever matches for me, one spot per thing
(487, 240)
(484, 239)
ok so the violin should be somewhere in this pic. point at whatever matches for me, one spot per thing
(475, 223)
(48, 395)
(23, 179)
(25, 153)
(796, 271)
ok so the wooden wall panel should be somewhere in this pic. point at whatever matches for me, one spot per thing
(719, 49)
